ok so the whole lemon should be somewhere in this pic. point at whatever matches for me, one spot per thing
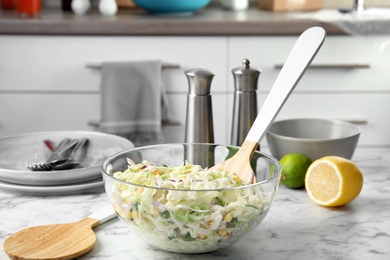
(294, 167)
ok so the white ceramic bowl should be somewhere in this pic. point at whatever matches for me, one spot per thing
(314, 137)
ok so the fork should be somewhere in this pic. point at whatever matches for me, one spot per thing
(47, 166)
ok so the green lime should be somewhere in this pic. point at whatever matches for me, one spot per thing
(294, 167)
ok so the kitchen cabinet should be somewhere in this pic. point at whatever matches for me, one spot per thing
(58, 63)
(45, 84)
(29, 111)
(348, 80)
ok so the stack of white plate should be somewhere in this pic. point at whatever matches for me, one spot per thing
(20, 150)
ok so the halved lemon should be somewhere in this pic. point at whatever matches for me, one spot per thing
(333, 181)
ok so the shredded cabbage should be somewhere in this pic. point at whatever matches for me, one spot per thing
(186, 208)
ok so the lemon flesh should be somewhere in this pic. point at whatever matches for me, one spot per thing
(333, 181)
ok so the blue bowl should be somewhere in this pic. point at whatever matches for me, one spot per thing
(171, 6)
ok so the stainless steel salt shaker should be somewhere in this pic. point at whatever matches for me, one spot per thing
(245, 101)
(199, 121)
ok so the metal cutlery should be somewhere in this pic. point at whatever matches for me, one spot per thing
(47, 166)
(75, 157)
(54, 158)
(63, 156)
(55, 155)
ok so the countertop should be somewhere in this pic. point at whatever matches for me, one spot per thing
(206, 22)
(295, 227)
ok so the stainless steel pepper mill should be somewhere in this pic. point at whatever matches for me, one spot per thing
(245, 101)
(199, 122)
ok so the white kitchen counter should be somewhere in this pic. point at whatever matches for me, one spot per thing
(295, 227)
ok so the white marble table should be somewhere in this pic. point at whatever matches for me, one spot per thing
(295, 228)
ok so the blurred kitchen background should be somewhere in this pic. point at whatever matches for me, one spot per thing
(325, 3)
(51, 76)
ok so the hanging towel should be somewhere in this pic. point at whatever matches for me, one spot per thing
(132, 100)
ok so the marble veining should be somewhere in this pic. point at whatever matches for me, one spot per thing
(295, 227)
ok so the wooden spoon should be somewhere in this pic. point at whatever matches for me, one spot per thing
(301, 55)
(58, 241)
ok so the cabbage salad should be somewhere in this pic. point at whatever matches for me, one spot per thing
(186, 208)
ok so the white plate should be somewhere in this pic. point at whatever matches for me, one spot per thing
(92, 186)
(18, 151)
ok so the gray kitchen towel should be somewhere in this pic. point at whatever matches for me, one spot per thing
(132, 99)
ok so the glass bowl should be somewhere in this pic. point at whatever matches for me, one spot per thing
(184, 220)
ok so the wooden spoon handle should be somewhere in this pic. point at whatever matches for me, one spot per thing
(301, 55)
(103, 215)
